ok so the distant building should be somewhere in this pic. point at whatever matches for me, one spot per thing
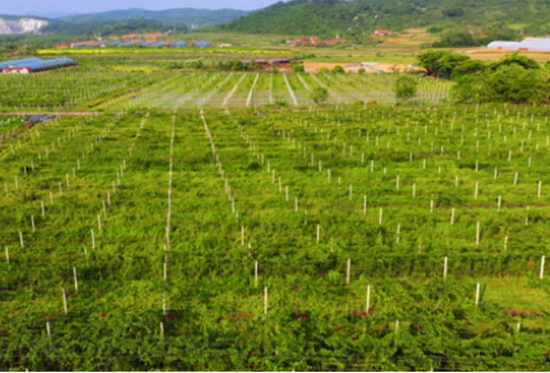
(381, 32)
(158, 44)
(38, 65)
(178, 44)
(526, 45)
(126, 44)
(201, 44)
(279, 61)
(18, 63)
(333, 41)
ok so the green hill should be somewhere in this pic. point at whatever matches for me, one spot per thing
(106, 28)
(362, 17)
(188, 16)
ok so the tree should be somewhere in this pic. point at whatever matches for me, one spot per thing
(319, 95)
(430, 61)
(405, 87)
(442, 64)
(516, 59)
(468, 67)
(513, 84)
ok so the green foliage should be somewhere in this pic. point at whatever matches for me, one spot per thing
(210, 306)
(514, 78)
(298, 68)
(405, 87)
(107, 28)
(184, 16)
(281, 102)
(469, 67)
(516, 59)
(338, 70)
(469, 36)
(509, 83)
(355, 20)
(446, 64)
(319, 95)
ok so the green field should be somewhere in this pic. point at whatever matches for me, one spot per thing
(186, 221)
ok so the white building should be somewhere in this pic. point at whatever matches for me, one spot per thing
(527, 45)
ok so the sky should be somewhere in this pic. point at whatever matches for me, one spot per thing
(23, 7)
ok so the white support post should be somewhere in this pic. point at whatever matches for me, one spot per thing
(445, 262)
(242, 235)
(478, 232)
(75, 279)
(318, 233)
(64, 301)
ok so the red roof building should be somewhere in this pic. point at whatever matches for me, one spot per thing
(381, 32)
(333, 41)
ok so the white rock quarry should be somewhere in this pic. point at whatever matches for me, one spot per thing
(21, 26)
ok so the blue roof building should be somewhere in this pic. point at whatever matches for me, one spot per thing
(201, 44)
(17, 63)
(127, 44)
(179, 44)
(41, 65)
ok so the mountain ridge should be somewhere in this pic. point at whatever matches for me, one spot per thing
(78, 24)
(188, 16)
(362, 17)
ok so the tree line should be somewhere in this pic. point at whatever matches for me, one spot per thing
(514, 78)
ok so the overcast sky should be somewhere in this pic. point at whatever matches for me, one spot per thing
(81, 6)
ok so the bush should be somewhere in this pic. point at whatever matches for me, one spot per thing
(513, 83)
(338, 70)
(297, 68)
(281, 102)
(319, 95)
(405, 87)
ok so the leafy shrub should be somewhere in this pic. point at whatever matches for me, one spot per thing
(405, 87)
(297, 68)
(319, 95)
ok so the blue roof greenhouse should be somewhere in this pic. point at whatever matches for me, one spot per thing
(33, 65)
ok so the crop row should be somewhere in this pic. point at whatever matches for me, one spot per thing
(175, 235)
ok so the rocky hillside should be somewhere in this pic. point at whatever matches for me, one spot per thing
(21, 26)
